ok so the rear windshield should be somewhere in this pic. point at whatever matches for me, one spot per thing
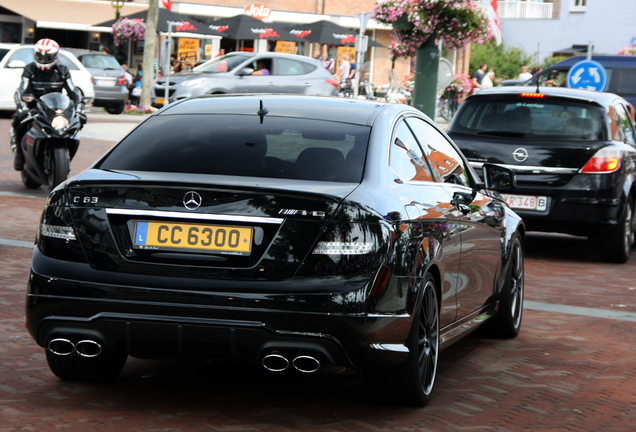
(544, 118)
(99, 61)
(238, 145)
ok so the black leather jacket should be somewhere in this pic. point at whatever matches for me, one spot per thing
(37, 82)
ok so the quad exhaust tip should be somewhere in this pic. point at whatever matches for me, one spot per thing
(276, 362)
(85, 348)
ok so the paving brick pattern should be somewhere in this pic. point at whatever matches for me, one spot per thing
(563, 373)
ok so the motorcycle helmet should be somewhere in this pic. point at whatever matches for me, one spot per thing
(45, 53)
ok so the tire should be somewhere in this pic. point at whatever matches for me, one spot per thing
(617, 245)
(412, 383)
(115, 108)
(28, 181)
(106, 367)
(507, 322)
(60, 166)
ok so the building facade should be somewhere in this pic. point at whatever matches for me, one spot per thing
(567, 27)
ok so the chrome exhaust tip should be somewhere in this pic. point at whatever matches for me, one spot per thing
(61, 347)
(275, 363)
(306, 364)
(88, 348)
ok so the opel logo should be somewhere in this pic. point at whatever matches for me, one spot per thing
(520, 154)
(192, 200)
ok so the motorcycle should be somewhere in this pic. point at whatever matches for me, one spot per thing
(52, 139)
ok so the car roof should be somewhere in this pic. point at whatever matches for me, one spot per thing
(603, 98)
(326, 108)
(608, 61)
(271, 54)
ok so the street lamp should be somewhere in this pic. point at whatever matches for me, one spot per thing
(117, 5)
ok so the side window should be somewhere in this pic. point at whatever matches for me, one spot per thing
(292, 67)
(446, 161)
(624, 123)
(553, 78)
(24, 54)
(406, 158)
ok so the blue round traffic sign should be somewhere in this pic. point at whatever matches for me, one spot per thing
(588, 75)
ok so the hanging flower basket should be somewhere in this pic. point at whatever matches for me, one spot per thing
(456, 22)
(126, 29)
(627, 51)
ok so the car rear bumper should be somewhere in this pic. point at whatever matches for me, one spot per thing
(575, 215)
(189, 324)
(110, 95)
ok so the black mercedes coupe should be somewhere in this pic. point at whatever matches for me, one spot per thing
(308, 234)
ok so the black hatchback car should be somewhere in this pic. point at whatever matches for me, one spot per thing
(574, 154)
(299, 233)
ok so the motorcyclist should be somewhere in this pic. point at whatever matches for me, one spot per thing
(44, 75)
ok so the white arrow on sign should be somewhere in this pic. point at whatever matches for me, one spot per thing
(577, 76)
(595, 74)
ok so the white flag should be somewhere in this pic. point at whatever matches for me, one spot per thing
(495, 25)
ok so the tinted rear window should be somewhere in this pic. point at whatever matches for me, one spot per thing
(99, 61)
(241, 146)
(545, 118)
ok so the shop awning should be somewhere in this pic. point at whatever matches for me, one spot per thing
(67, 14)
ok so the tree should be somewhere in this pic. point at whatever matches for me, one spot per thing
(506, 62)
(150, 48)
(418, 24)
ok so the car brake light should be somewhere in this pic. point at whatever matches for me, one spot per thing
(532, 95)
(122, 80)
(333, 82)
(606, 160)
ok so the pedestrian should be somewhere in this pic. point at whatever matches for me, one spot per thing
(525, 75)
(343, 69)
(487, 81)
(478, 77)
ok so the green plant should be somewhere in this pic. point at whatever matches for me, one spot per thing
(506, 62)
(549, 61)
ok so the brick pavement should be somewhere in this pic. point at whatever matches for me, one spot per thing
(563, 373)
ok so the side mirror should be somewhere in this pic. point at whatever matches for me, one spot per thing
(497, 177)
(245, 71)
(16, 64)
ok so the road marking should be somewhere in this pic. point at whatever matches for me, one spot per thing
(24, 195)
(584, 311)
(16, 243)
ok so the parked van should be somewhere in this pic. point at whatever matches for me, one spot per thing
(621, 74)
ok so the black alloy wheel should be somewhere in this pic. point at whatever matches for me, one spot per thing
(507, 322)
(412, 383)
(616, 246)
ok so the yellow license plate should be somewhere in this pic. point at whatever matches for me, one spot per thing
(159, 101)
(213, 238)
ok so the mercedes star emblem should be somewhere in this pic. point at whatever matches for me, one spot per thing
(520, 154)
(192, 200)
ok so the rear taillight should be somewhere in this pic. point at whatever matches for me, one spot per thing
(345, 249)
(57, 236)
(532, 95)
(606, 160)
(122, 80)
(333, 82)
